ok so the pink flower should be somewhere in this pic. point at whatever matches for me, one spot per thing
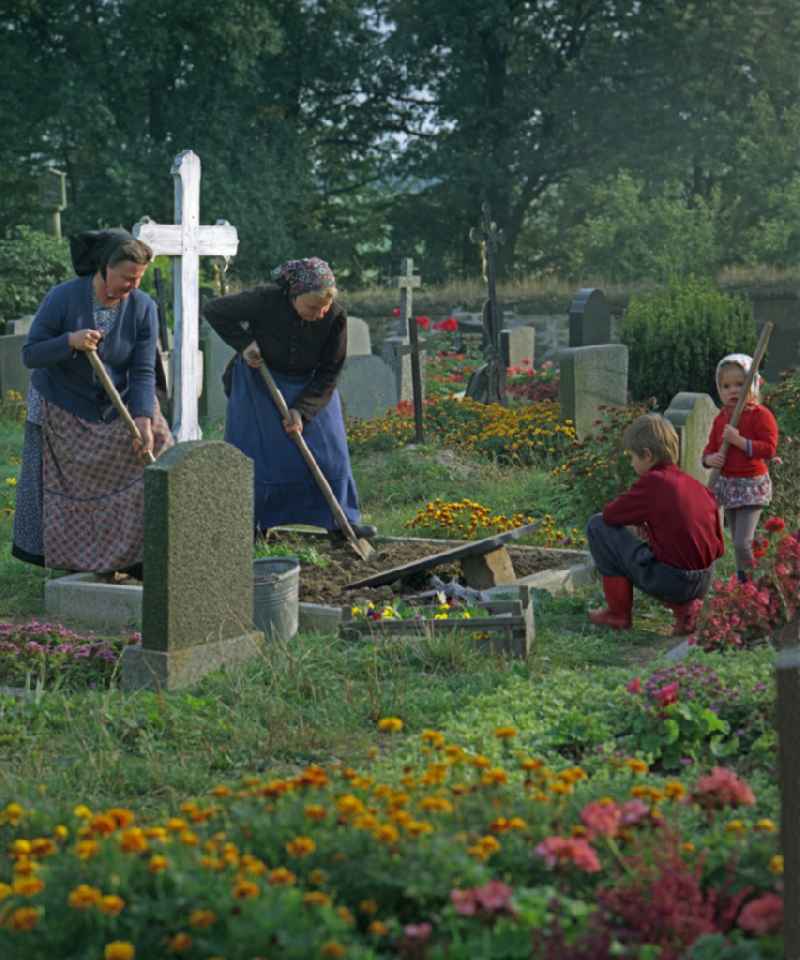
(419, 932)
(722, 788)
(633, 812)
(563, 850)
(762, 916)
(494, 896)
(635, 686)
(602, 819)
(464, 902)
(667, 695)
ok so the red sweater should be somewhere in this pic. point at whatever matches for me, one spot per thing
(680, 515)
(756, 424)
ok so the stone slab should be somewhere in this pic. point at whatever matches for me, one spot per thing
(591, 377)
(83, 598)
(367, 387)
(359, 340)
(490, 569)
(143, 669)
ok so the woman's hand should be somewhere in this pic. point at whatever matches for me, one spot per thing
(295, 422)
(84, 339)
(252, 355)
(714, 460)
(146, 429)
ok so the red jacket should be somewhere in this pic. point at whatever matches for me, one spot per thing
(680, 515)
(756, 424)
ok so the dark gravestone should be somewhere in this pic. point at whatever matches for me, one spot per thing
(788, 679)
(197, 607)
(589, 319)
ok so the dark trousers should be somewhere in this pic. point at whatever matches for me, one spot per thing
(618, 553)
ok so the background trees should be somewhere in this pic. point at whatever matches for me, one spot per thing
(609, 136)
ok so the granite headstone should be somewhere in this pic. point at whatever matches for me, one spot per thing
(692, 415)
(592, 377)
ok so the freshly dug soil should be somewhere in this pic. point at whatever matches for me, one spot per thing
(325, 584)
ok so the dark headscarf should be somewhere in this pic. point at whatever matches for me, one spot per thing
(297, 277)
(92, 249)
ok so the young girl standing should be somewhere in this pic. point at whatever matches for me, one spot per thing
(744, 487)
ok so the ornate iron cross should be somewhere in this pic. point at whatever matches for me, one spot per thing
(492, 388)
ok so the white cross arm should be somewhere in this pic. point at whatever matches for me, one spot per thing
(412, 281)
(166, 239)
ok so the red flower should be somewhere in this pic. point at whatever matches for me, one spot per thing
(764, 915)
(774, 525)
(722, 788)
(635, 686)
(558, 850)
(602, 819)
(396, 312)
(667, 695)
(424, 322)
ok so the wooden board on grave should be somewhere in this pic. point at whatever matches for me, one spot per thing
(473, 549)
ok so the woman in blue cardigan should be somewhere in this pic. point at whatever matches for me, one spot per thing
(80, 502)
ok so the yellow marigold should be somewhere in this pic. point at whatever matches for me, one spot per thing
(111, 905)
(156, 833)
(24, 867)
(480, 761)
(378, 929)
(735, 826)
(517, 823)
(332, 948)
(60, 832)
(346, 916)
(103, 824)
(317, 877)
(386, 833)
(635, 765)
(86, 849)
(349, 804)
(189, 837)
(776, 864)
(370, 907)
(28, 886)
(202, 919)
(765, 826)
(119, 950)
(574, 774)
(300, 847)
(179, 943)
(24, 919)
(5, 891)
(674, 790)
(418, 827)
(42, 847)
(494, 776)
(122, 816)
(246, 890)
(281, 877)
(176, 824)
(157, 863)
(221, 791)
(20, 847)
(366, 822)
(253, 865)
(83, 897)
(315, 811)
(82, 812)
(390, 725)
(13, 812)
(505, 733)
(133, 841)
(561, 787)
(316, 898)
(432, 737)
(212, 863)
(438, 804)
(688, 847)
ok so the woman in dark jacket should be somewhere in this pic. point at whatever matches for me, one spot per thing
(299, 330)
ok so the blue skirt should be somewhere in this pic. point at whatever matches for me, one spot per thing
(284, 489)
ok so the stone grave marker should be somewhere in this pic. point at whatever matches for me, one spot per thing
(197, 610)
(396, 353)
(692, 415)
(517, 345)
(53, 199)
(589, 319)
(788, 682)
(359, 340)
(367, 387)
(14, 375)
(20, 327)
(591, 377)
(784, 341)
(186, 241)
(216, 355)
(407, 282)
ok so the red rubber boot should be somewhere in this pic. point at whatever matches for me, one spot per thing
(686, 615)
(619, 597)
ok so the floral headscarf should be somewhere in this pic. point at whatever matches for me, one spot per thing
(745, 362)
(304, 276)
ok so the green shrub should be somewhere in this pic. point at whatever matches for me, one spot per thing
(30, 263)
(677, 336)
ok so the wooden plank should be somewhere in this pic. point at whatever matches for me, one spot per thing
(474, 548)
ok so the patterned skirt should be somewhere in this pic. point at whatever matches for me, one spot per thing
(734, 492)
(92, 492)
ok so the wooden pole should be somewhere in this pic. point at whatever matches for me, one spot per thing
(360, 546)
(116, 399)
(758, 356)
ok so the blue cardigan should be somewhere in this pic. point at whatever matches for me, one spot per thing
(65, 377)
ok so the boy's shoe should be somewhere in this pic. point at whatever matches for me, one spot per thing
(363, 531)
(619, 597)
(686, 615)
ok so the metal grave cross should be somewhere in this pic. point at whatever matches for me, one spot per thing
(186, 241)
(407, 281)
(490, 237)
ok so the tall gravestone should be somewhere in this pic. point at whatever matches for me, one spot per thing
(590, 378)
(788, 680)
(589, 319)
(366, 385)
(197, 609)
(517, 345)
(692, 415)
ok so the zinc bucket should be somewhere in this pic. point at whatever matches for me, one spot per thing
(276, 590)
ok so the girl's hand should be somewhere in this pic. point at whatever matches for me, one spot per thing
(714, 460)
(84, 340)
(733, 437)
(252, 355)
(295, 422)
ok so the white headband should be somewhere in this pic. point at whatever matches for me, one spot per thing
(745, 362)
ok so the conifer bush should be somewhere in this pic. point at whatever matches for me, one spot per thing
(677, 335)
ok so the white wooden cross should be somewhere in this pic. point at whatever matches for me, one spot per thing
(186, 241)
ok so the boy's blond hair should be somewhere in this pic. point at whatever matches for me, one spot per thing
(655, 433)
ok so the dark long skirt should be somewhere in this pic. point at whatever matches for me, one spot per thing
(284, 489)
(28, 542)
